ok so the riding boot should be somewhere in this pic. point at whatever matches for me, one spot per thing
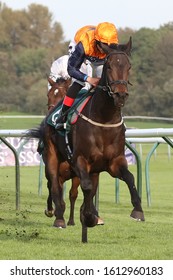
(62, 117)
(67, 103)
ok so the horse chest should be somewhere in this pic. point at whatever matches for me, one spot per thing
(101, 155)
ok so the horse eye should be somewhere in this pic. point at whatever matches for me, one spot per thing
(55, 92)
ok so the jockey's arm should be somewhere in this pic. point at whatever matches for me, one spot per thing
(74, 63)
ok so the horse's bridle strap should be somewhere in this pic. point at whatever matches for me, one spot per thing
(99, 124)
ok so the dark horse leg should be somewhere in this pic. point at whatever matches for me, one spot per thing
(73, 193)
(49, 212)
(137, 212)
(95, 184)
(118, 168)
(56, 185)
(88, 213)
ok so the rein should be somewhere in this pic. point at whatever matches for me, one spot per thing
(108, 88)
(50, 105)
(117, 82)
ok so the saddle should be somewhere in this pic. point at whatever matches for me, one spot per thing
(73, 113)
(82, 99)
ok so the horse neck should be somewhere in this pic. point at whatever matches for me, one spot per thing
(103, 108)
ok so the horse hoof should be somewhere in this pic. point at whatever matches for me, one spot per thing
(59, 223)
(49, 213)
(138, 216)
(71, 223)
(100, 222)
(90, 220)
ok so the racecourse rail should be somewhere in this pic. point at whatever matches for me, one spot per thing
(156, 136)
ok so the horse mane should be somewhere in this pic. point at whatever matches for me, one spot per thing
(61, 80)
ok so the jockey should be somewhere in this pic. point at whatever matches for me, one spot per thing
(90, 42)
(59, 67)
(59, 70)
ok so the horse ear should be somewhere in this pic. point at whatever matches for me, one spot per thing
(126, 47)
(129, 46)
(105, 48)
(51, 82)
(69, 82)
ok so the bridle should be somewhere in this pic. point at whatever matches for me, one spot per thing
(107, 88)
(51, 105)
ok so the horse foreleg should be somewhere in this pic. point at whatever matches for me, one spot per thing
(73, 193)
(55, 185)
(49, 212)
(95, 183)
(137, 212)
(88, 217)
(57, 196)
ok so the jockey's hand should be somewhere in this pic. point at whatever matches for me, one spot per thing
(93, 81)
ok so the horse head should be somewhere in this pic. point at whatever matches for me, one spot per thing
(116, 72)
(57, 91)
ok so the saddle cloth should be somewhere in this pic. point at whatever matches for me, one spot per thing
(82, 99)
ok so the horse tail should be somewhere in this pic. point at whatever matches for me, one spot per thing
(34, 133)
(37, 133)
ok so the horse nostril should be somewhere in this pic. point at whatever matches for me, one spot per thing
(122, 94)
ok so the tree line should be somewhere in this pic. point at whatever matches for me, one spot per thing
(30, 40)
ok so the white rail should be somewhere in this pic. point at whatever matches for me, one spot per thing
(150, 132)
(161, 135)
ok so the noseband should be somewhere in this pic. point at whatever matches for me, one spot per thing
(117, 82)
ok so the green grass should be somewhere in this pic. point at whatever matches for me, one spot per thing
(148, 124)
(19, 123)
(25, 123)
(29, 234)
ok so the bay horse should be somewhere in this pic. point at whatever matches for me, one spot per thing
(57, 91)
(55, 95)
(97, 141)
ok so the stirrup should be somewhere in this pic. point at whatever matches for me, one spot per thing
(60, 126)
(61, 122)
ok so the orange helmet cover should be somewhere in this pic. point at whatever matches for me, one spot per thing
(82, 31)
(106, 33)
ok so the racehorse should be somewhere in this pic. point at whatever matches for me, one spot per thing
(57, 91)
(55, 95)
(97, 141)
